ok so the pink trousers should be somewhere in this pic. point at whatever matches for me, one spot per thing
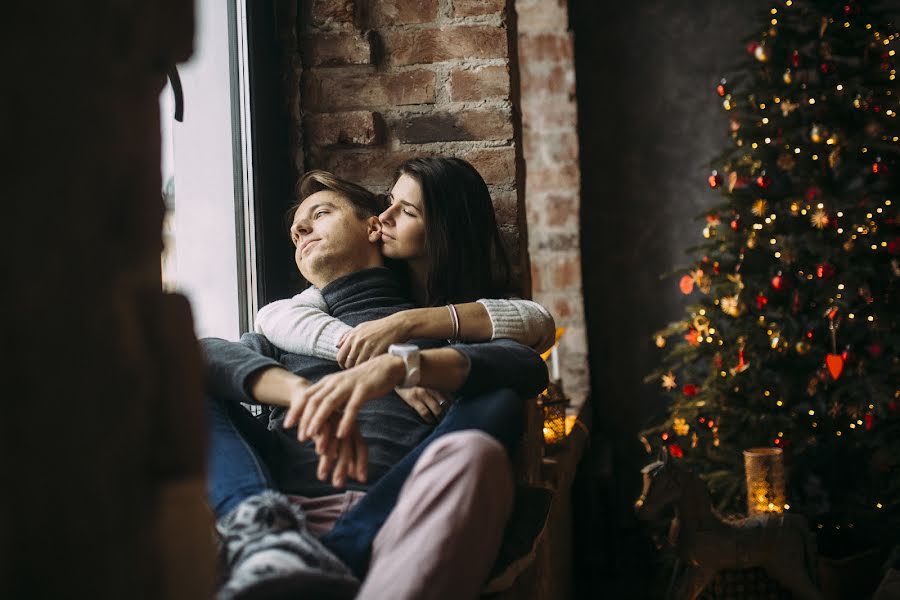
(442, 538)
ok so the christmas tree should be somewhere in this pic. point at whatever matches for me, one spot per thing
(790, 336)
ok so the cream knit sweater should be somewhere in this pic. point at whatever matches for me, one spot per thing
(302, 324)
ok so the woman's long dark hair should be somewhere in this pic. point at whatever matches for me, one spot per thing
(463, 250)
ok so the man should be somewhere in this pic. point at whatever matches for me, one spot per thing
(462, 479)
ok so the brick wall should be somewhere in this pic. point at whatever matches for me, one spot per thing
(550, 147)
(387, 80)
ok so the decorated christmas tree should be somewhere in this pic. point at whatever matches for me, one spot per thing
(790, 334)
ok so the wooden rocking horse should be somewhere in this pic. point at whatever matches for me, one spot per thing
(705, 543)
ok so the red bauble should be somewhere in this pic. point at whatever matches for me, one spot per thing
(779, 283)
(735, 224)
(795, 59)
(720, 89)
(812, 193)
(825, 271)
(826, 68)
(751, 47)
(761, 301)
(715, 180)
(870, 422)
(675, 451)
(879, 168)
(689, 390)
(764, 181)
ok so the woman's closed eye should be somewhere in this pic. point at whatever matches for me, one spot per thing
(319, 213)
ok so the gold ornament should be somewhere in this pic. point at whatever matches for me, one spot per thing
(668, 381)
(760, 208)
(817, 134)
(786, 162)
(728, 103)
(802, 347)
(695, 440)
(762, 53)
(819, 219)
(787, 107)
(731, 306)
(834, 157)
(751, 240)
(788, 77)
(680, 426)
(795, 208)
(660, 341)
(709, 231)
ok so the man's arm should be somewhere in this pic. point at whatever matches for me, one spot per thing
(232, 365)
(463, 369)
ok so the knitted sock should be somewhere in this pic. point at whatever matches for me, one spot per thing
(268, 550)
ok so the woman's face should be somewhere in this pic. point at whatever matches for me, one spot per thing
(403, 222)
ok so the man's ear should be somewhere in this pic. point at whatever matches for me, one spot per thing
(373, 229)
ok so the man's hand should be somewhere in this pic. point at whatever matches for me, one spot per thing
(342, 458)
(430, 404)
(371, 339)
(346, 391)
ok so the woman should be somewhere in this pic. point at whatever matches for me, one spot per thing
(440, 223)
(440, 227)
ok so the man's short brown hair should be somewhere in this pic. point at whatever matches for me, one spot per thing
(365, 203)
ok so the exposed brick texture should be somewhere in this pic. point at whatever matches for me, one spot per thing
(473, 8)
(334, 49)
(550, 148)
(424, 46)
(330, 92)
(479, 83)
(354, 128)
(333, 14)
(388, 13)
(496, 165)
(470, 125)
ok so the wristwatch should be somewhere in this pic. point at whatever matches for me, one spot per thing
(410, 355)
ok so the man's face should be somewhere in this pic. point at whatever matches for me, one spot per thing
(330, 241)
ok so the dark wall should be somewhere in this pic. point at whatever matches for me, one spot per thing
(649, 123)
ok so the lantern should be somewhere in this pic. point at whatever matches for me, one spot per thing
(765, 480)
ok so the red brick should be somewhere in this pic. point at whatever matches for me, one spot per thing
(324, 91)
(496, 165)
(543, 15)
(333, 14)
(479, 83)
(473, 8)
(335, 49)
(561, 210)
(386, 13)
(548, 111)
(357, 128)
(561, 177)
(373, 168)
(423, 46)
(466, 125)
(551, 47)
(557, 79)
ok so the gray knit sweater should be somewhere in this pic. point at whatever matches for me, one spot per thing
(390, 427)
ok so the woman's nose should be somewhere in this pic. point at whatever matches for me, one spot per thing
(388, 215)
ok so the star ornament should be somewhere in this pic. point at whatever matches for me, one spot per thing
(819, 219)
(680, 426)
(668, 381)
(760, 207)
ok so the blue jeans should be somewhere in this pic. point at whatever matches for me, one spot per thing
(239, 445)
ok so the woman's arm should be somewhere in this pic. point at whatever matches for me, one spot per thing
(522, 321)
(301, 325)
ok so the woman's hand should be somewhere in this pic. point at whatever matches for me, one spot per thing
(312, 406)
(430, 404)
(371, 339)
